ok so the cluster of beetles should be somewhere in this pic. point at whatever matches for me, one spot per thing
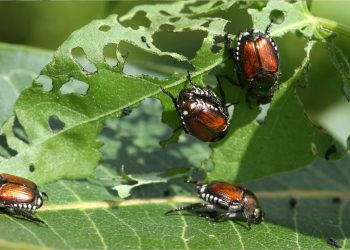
(205, 116)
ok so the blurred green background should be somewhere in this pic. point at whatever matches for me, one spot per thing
(47, 24)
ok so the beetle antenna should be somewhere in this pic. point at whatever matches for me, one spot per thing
(190, 180)
(173, 98)
(189, 78)
(167, 93)
(268, 27)
(45, 195)
(177, 209)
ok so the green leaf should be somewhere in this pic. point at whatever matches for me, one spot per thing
(87, 214)
(143, 179)
(133, 157)
(284, 141)
(103, 91)
(342, 66)
(17, 72)
(72, 150)
(297, 17)
(78, 209)
(84, 214)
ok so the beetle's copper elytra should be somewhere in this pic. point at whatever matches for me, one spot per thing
(225, 201)
(202, 113)
(20, 196)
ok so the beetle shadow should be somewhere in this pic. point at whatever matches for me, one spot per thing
(319, 207)
(34, 220)
(239, 220)
(133, 142)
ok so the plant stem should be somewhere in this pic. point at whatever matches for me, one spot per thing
(333, 26)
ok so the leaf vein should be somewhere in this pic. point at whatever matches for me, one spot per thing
(27, 229)
(238, 234)
(87, 215)
(295, 221)
(128, 226)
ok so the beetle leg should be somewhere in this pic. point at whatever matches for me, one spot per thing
(248, 94)
(230, 80)
(173, 98)
(178, 109)
(198, 208)
(222, 93)
(31, 217)
(222, 216)
(22, 214)
(189, 78)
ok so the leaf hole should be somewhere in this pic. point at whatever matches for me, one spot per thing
(174, 19)
(45, 82)
(104, 28)
(81, 59)
(140, 62)
(6, 150)
(163, 12)
(218, 44)
(187, 10)
(217, 4)
(74, 86)
(31, 168)
(55, 123)
(164, 41)
(166, 27)
(206, 24)
(111, 54)
(19, 131)
(138, 20)
(191, 7)
(277, 16)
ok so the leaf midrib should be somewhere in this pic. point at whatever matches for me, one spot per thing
(278, 194)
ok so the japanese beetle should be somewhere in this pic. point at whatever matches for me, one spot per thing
(202, 113)
(226, 201)
(19, 196)
(257, 63)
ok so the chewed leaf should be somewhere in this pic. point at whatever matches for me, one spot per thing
(17, 72)
(143, 179)
(80, 208)
(296, 17)
(284, 141)
(342, 65)
(61, 121)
